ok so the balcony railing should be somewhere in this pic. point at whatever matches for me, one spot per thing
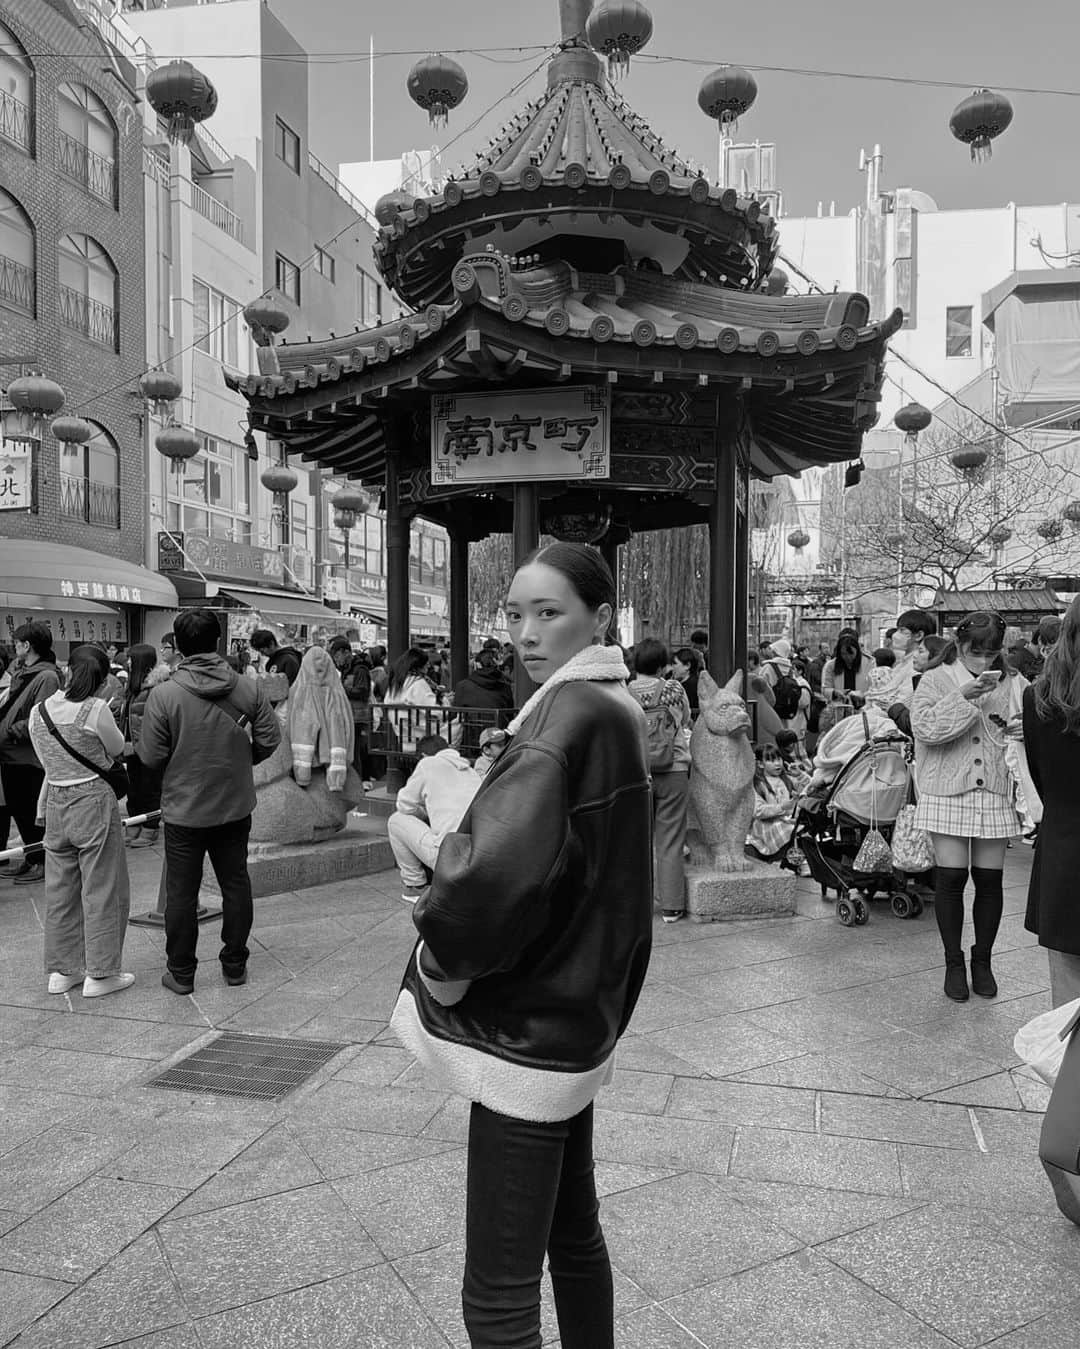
(331, 179)
(96, 503)
(17, 284)
(217, 213)
(16, 120)
(96, 173)
(99, 322)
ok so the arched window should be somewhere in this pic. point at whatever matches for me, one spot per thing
(88, 290)
(17, 268)
(86, 141)
(16, 92)
(90, 480)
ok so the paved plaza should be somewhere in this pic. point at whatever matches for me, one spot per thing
(805, 1145)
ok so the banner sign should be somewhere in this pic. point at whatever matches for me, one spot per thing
(562, 433)
(16, 475)
(218, 557)
(71, 628)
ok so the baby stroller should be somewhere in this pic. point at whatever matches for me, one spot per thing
(867, 793)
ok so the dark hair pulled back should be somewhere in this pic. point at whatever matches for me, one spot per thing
(583, 567)
(87, 671)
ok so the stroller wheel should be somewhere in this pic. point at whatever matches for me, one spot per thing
(845, 911)
(916, 906)
(902, 904)
(862, 913)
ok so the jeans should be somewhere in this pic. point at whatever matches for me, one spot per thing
(185, 849)
(415, 846)
(87, 896)
(530, 1189)
(670, 795)
(22, 783)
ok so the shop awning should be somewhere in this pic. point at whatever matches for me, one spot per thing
(280, 604)
(56, 571)
(50, 604)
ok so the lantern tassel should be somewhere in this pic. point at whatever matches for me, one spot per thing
(439, 115)
(181, 128)
(981, 150)
(729, 124)
(618, 66)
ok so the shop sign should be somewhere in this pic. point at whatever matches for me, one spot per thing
(170, 550)
(72, 628)
(561, 433)
(236, 561)
(16, 475)
(104, 591)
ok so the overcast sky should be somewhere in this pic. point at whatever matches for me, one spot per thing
(819, 123)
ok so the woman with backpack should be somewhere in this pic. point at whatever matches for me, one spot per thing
(790, 692)
(667, 717)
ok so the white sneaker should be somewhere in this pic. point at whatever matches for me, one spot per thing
(411, 896)
(63, 983)
(112, 983)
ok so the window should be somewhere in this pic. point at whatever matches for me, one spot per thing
(427, 560)
(368, 298)
(217, 323)
(88, 290)
(324, 263)
(18, 282)
(958, 331)
(370, 555)
(287, 278)
(90, 480)
(298, 533)
(287, 144)
(212, 493)
(16, 92)
(86, 141)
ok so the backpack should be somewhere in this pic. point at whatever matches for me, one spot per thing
(787, 695)
(661, 725)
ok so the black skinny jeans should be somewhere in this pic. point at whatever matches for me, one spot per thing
(22, 783)
(531, 1189)
(185, 849)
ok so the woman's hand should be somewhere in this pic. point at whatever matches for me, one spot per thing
(979, 688)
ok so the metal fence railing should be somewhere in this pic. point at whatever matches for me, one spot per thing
(18, 284)
(16, 120)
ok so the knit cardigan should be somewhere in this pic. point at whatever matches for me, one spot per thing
(957, 747)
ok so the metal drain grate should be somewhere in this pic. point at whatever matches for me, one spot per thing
(256, 1067)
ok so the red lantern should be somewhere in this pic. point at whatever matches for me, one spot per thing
(72, 430)
(979, 119)
(798, 539)
(161, 389)
(391, 204)
(1050, 530)
(344, 520)
(999, 535)
(352, 499)
(279, 479)
(618, 29)
(34, 398)
(265, 319)
(437, 84)
(912, 418)
(182, 94)
(726, 94)
(177, 443)
(969, 461)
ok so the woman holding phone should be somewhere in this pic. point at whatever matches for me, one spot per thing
(966, 706)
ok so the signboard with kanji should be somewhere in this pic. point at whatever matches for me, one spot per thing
(561, 433)
(16, 474)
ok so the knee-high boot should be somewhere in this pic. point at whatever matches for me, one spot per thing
(986, 915)
(949, 885)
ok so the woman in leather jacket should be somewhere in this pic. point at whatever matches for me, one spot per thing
(535, 937)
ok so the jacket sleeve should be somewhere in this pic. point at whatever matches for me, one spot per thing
(46, 684)
(155, 742)
(410, 799)
(940, 715)
(490, 895)
(265, 727)
(828, 679)
(1032, 738)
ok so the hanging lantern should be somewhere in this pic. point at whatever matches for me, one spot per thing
(798, 539)
(725, 95)
(969, 461)
(354, 500)
(34, 399)
(391, 204)
(1050, 530)
(177, 443)
(999, 535)
(979, 119)
(618, 29)
(182, 94)
(911, 419)
(161, 389)
(279, 479)
(437, 84)
(265, 319)
(72, 430)
(344, 520)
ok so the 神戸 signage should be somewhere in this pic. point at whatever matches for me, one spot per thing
(558, 433)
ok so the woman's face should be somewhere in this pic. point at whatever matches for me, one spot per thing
(976, 661)
(549, 621)
(679, 670)
(848, 654)
(920, 660)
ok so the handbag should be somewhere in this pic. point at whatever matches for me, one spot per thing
(912, 850)
(875, 855)
(115, 775)
(1059, 1141)
(1039, 1042)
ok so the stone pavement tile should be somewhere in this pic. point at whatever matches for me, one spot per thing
(23, 1025)
(822, 1160)
(938, 1126)
(984, 1036)
(357, 1105)
(998, 1090)
(800, 1302)
(662, 1005)
(370, 1310)
(345, 1152)
(652, 1328)
(133, 1295)
(348, 1029)
(111, 1035)
(742, 1103)
(1013, 1133)
(914, 1063)
(412, 1206)
(87, 1074)
(614, 1177)
(986, 1180)
(669, 1143)
(278, 1013)
(1056, 1330)
(145, 1000)
(778, 981)
(451, 1123)
(43, 1167)
(83, 1229)
(178, 1149)
(650, 1238)
(645, 1057)
(818, 1072)
(816, 1025)
(378, 1064)
(636, 1092)
(1032, 1090)
(813, 1215)
(26, 1113)
(955, 1272)
(23, 1298)
(726, 1044)
(1047, 1232)
(8, 1219)
(228, 1257)
(272, 1164)
(176, 1337)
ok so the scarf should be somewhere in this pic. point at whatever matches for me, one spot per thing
(594, 662)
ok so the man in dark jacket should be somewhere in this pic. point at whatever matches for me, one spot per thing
(204, 728)
(279, 659)
(485, 688)
(34, 679)
(356, 681)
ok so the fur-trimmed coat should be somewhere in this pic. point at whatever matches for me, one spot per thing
(131, 715)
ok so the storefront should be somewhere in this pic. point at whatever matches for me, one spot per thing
(83, 596)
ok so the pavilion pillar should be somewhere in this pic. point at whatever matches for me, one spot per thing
(459, 605)
(526, 538)
(397, 596)
(722, 560)
(742, 566)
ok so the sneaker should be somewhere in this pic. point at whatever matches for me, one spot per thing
(112, 983)
(673, 915)
(64, 983)
(28, 874)
(146, 838)
(234, 978)
(411, 896)
(175, 985)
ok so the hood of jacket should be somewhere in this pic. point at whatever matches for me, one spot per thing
(158, 675)
(487, 679)
(454, 760)
(206, 675)
(780, 664)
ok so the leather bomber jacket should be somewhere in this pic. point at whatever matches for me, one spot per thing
(543, 898)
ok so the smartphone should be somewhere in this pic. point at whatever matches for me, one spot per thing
(989, 677)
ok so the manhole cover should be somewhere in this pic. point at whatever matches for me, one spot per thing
(258, 1067)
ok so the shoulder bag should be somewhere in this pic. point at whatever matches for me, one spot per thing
(115, 775)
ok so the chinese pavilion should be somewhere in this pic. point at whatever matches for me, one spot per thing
(579, 252)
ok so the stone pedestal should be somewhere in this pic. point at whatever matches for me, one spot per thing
(759, 892)
(359, 850)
